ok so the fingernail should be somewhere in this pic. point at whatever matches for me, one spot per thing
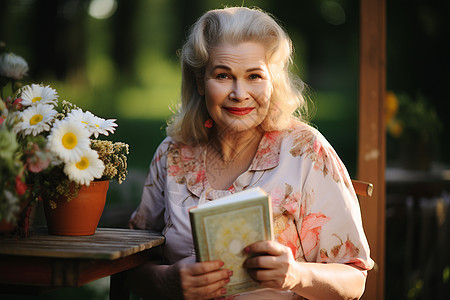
(223, 291)
(221, 263)
(230, 273)
(227, 280)
(247, 249)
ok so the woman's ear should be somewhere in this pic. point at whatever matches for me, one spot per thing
(200, 84)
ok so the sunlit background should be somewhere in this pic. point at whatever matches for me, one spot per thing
(119, 60)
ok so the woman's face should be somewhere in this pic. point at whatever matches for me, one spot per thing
(237, 86)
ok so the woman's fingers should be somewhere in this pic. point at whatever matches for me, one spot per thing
(205, 292)
(268, 255)
(273, 266)
(265, 247)
(208, 278)
(261, 261)
(264, 274)
(203, 267)
(204, 279)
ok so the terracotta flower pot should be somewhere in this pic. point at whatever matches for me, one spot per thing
(81, 215)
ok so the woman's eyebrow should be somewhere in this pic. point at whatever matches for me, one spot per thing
(228, 68)
(255, 69)
(221, 67)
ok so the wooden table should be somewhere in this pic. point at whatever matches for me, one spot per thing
(43, 261)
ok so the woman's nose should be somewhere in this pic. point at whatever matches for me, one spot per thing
(239, 91)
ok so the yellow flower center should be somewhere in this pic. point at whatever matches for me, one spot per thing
(82, 164)
(36, 99)
(36, 119)
(69, 140)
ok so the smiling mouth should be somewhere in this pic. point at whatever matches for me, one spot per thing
(240, 111)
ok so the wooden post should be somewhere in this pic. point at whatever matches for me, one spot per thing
(372, 135)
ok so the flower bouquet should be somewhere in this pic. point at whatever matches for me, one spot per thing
(49, 149)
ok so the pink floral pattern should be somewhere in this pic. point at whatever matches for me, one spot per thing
(324, 158)
(267, 155)
(285, 232)
(181, 161)
(341, 252)
(310, 231)
(314, 212)
(186, 165)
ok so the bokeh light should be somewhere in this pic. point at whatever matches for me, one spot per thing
(102, 9)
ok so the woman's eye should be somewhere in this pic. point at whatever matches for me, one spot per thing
(222, 76)
(255, 76)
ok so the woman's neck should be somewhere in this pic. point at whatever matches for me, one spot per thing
(229, 146)
(229, 155)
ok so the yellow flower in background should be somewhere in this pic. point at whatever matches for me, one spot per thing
(411, 117)
(395, 128)
(393, 125)
(391, 106)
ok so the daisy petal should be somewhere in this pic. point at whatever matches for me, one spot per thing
(108, 125)
(36, 93)
(69, 140)
(36, 119)
(86, 169)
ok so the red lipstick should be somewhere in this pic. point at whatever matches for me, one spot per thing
(239, 111)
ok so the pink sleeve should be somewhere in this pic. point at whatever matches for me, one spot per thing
(331, 228)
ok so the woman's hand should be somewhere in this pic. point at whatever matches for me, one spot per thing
(203, 280)
(273, 266)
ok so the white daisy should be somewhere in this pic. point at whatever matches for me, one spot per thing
(78, 115)
(69, 140)
(13, 66)
(86, 169)
(85, 118)
(35, 119)
(107, 125)
(100, 125)
(38, 94)
(94, 124)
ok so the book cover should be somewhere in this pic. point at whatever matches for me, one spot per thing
(222, 228)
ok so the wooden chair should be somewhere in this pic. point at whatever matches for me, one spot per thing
(362, 188)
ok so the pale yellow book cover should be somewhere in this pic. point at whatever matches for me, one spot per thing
(224, 227)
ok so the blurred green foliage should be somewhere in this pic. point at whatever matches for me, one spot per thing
(126, 66)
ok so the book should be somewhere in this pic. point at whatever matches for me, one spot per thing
(222, 228)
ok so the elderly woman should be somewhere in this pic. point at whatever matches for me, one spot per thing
(238, 128)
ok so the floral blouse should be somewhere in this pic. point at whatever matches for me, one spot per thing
(315, 209)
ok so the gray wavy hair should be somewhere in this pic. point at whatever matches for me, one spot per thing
(235, 25)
